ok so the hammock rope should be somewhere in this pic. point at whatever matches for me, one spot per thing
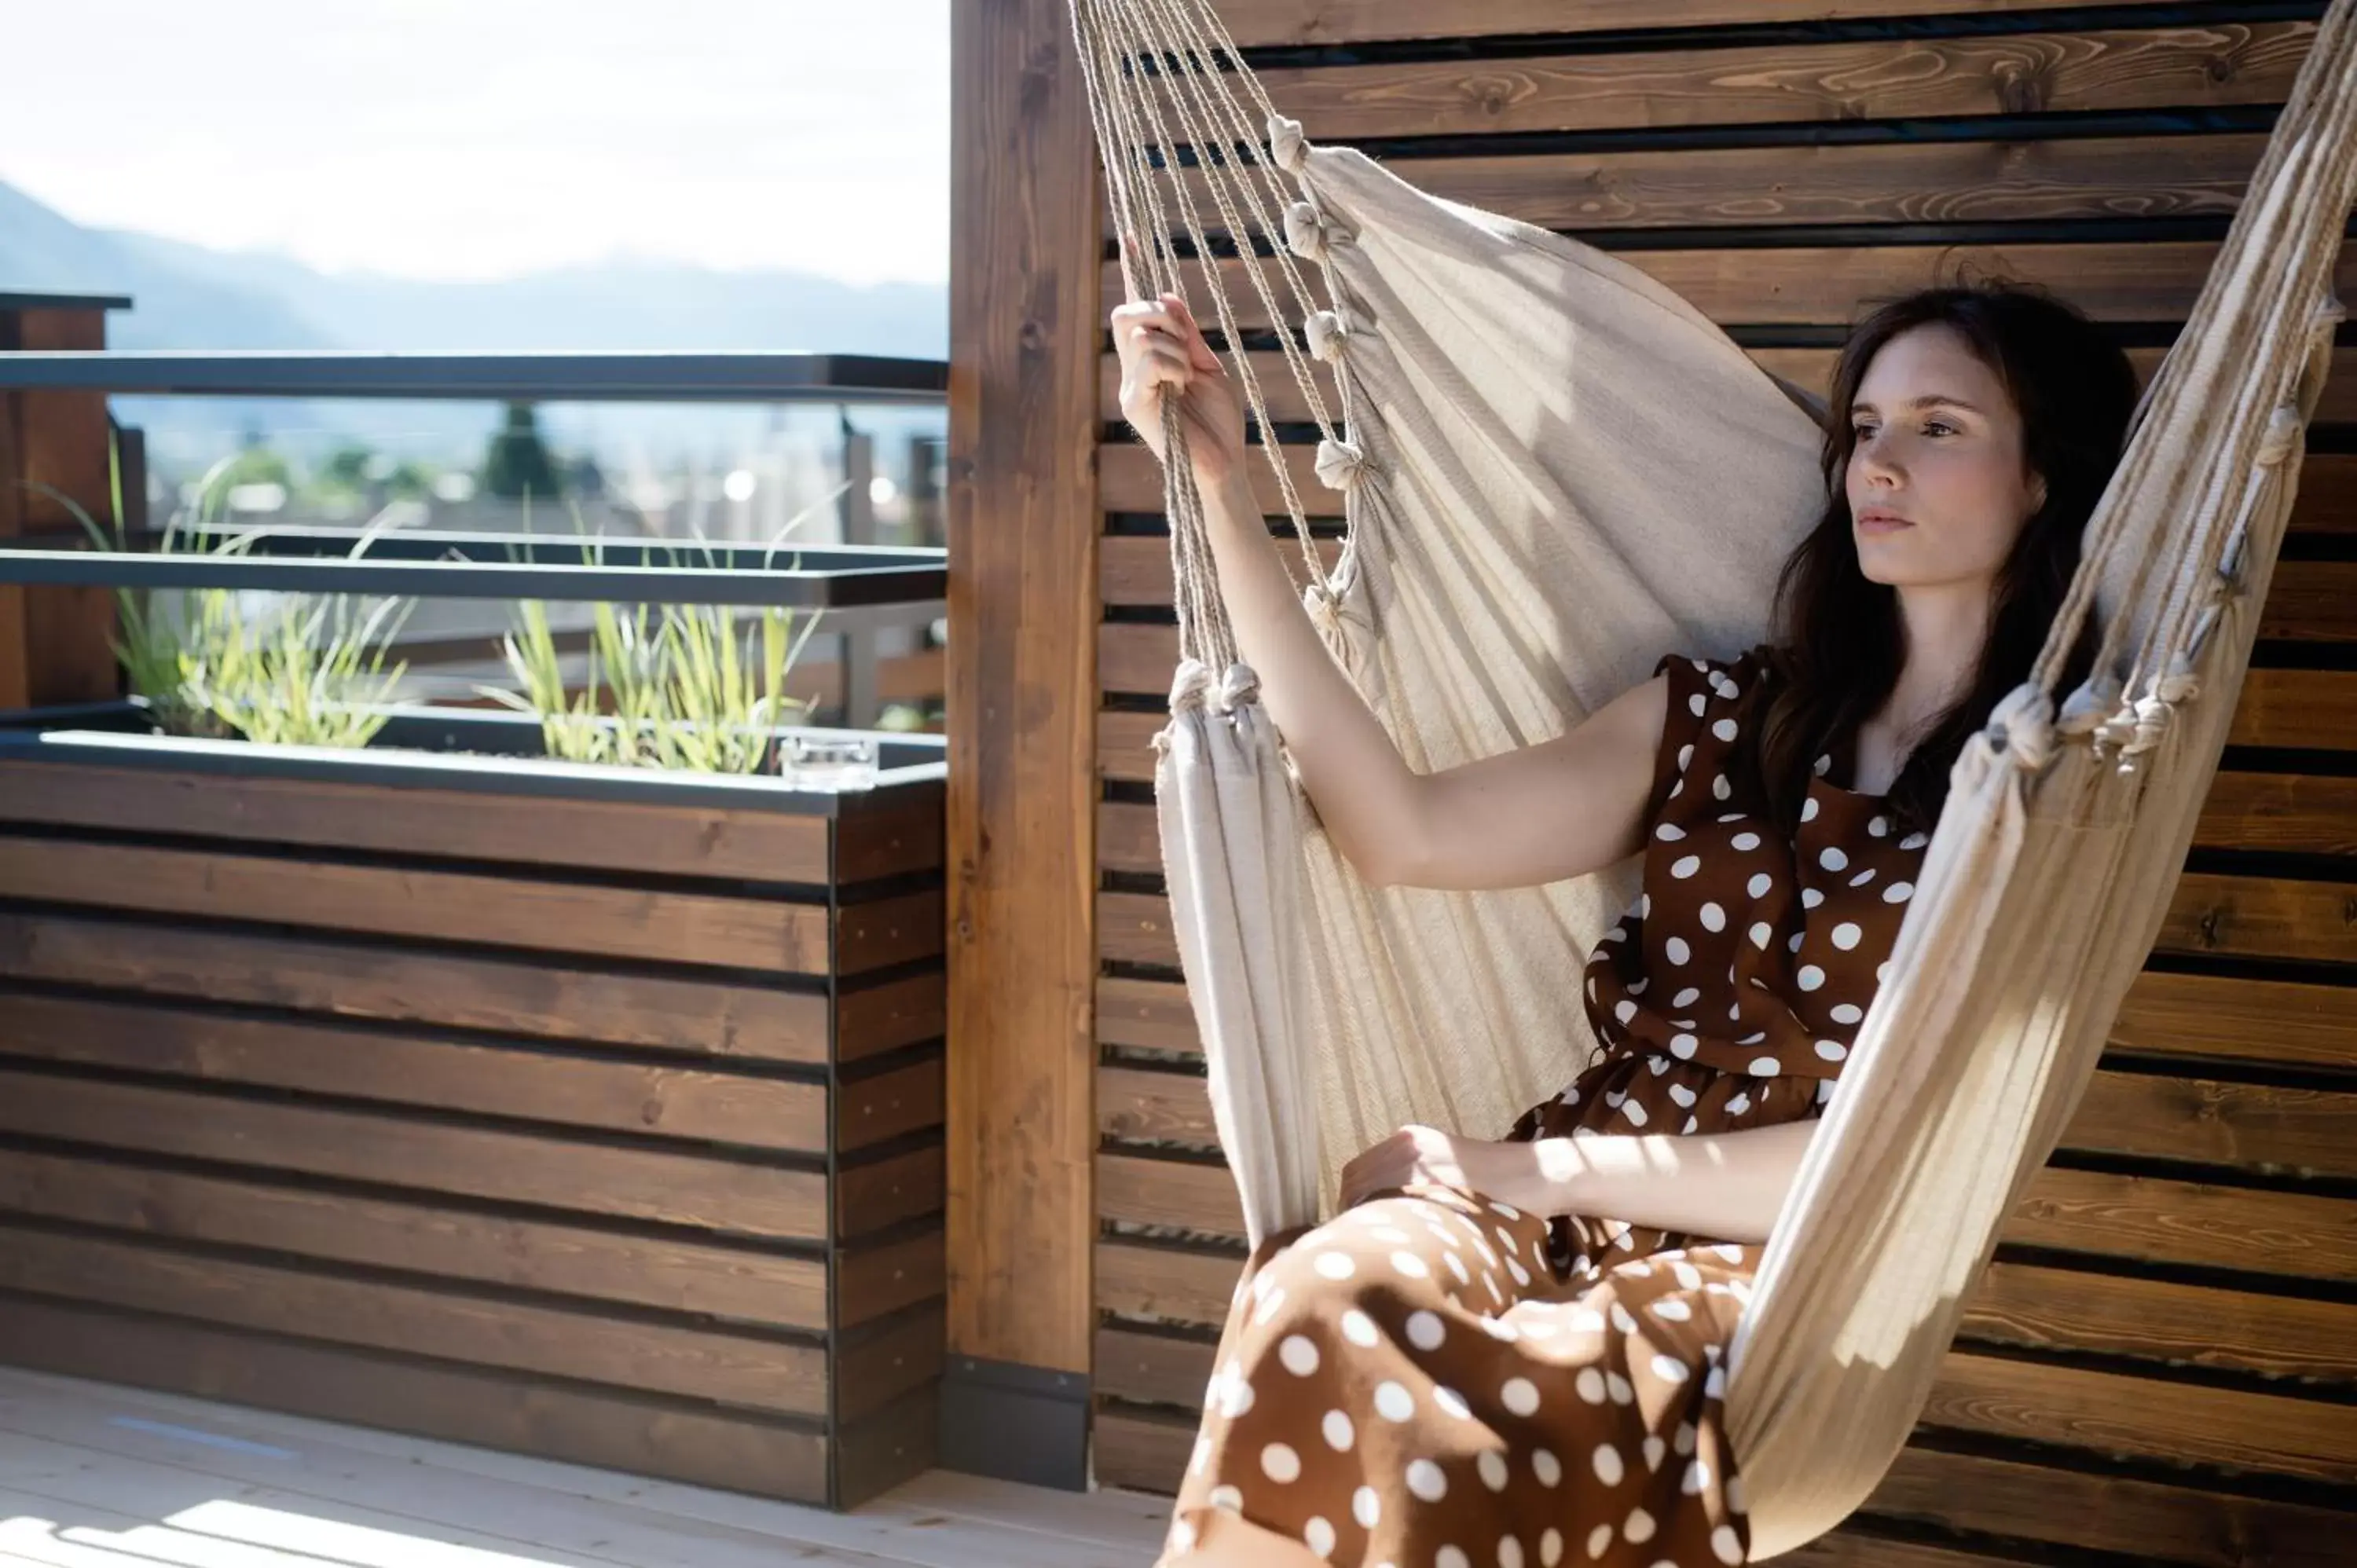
(1513, 439)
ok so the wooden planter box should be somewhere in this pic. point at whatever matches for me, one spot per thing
(586, 1113)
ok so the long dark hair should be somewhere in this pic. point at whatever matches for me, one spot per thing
(1840, 644)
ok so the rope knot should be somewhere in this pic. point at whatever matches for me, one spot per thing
(2284, 430)
(1238, 688)
(1306, 234)
(2024, 721)
(1341, 465)
(1288, 148)
(2180, 684)
(1327, 334)
(1190, 686)
(2151, 724)
(2084, 710)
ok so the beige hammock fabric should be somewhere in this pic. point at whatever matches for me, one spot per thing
(1555, 471)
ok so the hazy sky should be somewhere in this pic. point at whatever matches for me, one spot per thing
(482, 138)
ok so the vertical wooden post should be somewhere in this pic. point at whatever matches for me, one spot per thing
(1024, 333)
(55, 644)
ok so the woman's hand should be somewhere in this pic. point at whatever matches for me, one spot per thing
(1426, 1156)
(1161, 346)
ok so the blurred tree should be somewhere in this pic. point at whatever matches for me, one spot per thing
(517, 463)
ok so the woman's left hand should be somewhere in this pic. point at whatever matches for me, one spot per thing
(1420, 1154)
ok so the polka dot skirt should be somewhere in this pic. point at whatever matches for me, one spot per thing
(1434, 1379)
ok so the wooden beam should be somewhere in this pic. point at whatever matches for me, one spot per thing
(63, 473)
(1022, 523)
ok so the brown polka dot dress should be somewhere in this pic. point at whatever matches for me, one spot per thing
(1434, 1379)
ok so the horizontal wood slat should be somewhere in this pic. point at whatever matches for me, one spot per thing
(2180, 68)
(2196, 1016)
(1273, 22)
(2154, 280)
(640, 1183)
(764, 847)
(674, 1274)
(2242, 917)
(702, 1444)
(2097, 1213)
(1812, 370)
(2064, 180)
(2291, 708)
(616, 922)
(506, 996)
(763, 1373)
(492, 1081)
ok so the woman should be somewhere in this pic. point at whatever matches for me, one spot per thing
(1510, 1351)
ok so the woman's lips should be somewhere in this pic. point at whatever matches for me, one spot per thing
(1881, 522)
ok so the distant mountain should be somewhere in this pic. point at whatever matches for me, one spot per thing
(185, 296)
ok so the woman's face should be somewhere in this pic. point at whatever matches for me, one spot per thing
(1938, 487)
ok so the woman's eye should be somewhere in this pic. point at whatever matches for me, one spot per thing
(1938, 428)
(1862, 432)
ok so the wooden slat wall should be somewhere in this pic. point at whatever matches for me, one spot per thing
(335, 1094)
(2160, 1367)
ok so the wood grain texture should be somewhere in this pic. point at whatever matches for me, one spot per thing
(677, 1275)
(701, 1445)
(1913, 77)
(1271, 22)
(61, 473)
(421, 1320)
(1021, 517)
(662, 1186)
(509, 997)
(419, 1071)
(2156, 280)
(760, 933)
(760, 846)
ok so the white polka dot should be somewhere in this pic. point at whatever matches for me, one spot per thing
(1411, 1265)
(1823, 765)
(1746, 841)
(1618, 1385)
(1394, 1402)
(1810, 978)
(1598, 1539)
(1624, 1011)
(1336, 1265)
(1732, 1490)
(1831, 1050)
(1765, 1067)
(1492, 1467)
(1724, 729)
(1715, 1385)
(1669, 1310)
(1425, 1331)
(1714, 919)
(1683, 1096)
(1761, 936)
(1640, 1527)
(1510, 1552)
(1520, 1396)
(1725, 1545)
(1760, 884)
(1846, 935)
(1235, 1395)
(1589, 1385)
(1299, 1356)
(1698, 702)
(1318, 1536)
(1609, 1468)
(1366, 1506)
(1457, 1266)
(1676, 950)
(1882, 972)
(1863, 877)
(1798, 937)
(1687, 998)
(1228, 1497)
(1182, 1537)
(1360, 1329)
(1669, 1369)
(1338, 1431)
(1696, 1480)
(1426, 1480)
(1898, 893)
(1684, 1440)
(1846, 1013)
(1450, 1401)
(1682, 1046)
(1669, 833)
(1546, 1467)
(1913, 841)
(1721, 789)
(1550, 1548)
(1810, 897)
(1635, 1111)
(1686, 866)
(1738, 1105)
(1623, 1322)
(1451, 1557)
(1809, 809)
(1269, 1304)
(1686, 755)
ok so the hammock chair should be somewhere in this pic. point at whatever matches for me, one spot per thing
(1554, 472)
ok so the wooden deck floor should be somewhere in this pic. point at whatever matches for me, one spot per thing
(97, 1477)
